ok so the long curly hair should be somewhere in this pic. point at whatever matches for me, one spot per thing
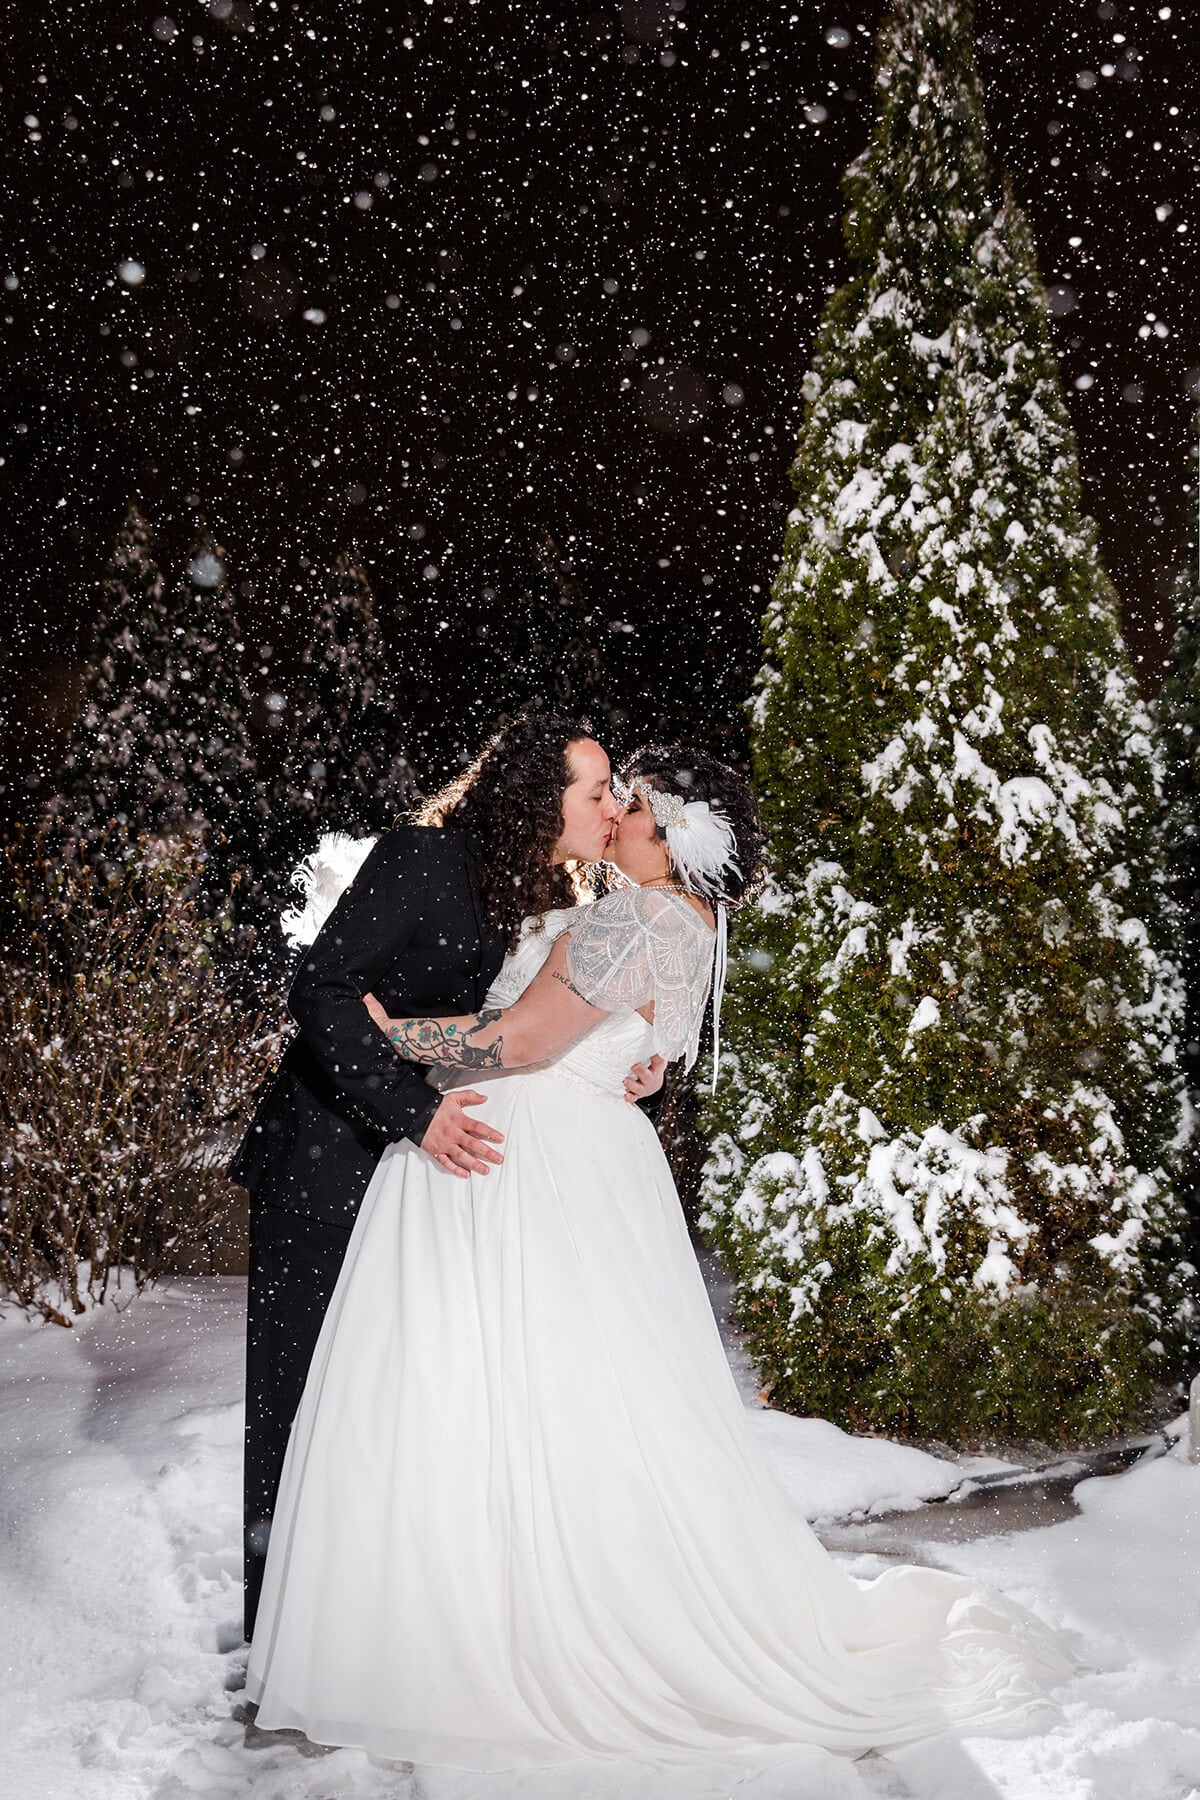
(695, 775)
(511, 797)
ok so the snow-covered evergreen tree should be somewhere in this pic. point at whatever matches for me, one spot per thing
(103, 779)
(952, 1112)
(347, 770)
(198, 765)
(1178, 707)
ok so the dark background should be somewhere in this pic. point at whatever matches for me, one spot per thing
(434, 281)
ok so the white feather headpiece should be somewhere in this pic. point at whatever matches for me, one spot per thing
(702, 846)
(323, 878)
(701, 842)
(703, 850)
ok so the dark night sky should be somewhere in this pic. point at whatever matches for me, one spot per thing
(433, 280)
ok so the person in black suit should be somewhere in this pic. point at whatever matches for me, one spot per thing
(425, 925)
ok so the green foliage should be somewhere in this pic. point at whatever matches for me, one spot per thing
(953, 1113)
(954, 1371)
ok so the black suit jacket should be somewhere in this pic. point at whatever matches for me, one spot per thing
(410, 929)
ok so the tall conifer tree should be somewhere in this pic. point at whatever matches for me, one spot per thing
(103, 776)
(347, 771)
(199, 767)
(952, 1111)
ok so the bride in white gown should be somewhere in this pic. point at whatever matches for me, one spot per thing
(524, 1519)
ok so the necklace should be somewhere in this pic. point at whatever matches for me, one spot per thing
(671, 887)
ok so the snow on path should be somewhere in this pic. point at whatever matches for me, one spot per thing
(120, 1645)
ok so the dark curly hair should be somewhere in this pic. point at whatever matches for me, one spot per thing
(695, 775)
(511, 798)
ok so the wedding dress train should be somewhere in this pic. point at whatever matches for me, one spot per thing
(524, 1518)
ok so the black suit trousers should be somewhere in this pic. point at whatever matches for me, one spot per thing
(294, 1266)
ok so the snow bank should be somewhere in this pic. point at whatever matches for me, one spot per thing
(830, 1475)
(1124, 1580)
(120, 1596)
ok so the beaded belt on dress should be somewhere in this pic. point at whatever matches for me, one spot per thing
(560, 1072)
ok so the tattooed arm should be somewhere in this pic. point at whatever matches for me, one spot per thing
(547, 1018)
(466, 1041)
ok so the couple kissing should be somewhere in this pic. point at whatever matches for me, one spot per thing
(521, 1518)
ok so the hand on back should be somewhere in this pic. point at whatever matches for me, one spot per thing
(645, 1079)
(458, 1142)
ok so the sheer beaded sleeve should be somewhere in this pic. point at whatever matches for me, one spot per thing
(641, 945)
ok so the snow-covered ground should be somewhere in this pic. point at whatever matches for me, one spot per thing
(120, 1595)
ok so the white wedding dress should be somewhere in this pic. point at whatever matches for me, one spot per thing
(524, 1519)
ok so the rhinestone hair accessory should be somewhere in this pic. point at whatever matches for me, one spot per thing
(668, 809)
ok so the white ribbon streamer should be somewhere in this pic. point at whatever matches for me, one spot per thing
(720, 967)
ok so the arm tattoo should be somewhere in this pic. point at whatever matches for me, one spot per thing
(557, 975)
(428, 1041)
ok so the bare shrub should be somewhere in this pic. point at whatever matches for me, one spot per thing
(128, 1058)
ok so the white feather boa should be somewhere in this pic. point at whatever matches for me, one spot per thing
(323, 878)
